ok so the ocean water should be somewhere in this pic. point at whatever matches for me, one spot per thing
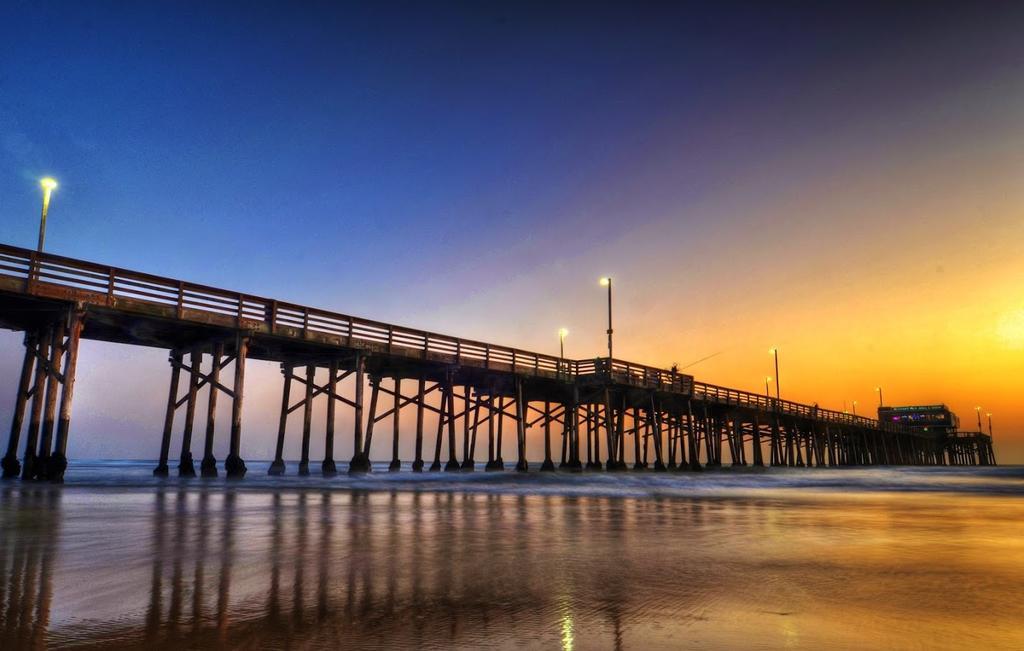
(897, 558)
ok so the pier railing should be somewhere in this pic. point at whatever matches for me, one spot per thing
(727, 396)
(634, 374)
(52, 275)
(107, 285)
(48, 274)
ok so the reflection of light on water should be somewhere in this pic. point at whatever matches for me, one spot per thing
(566, 633)
(790, 635)
(566, 624)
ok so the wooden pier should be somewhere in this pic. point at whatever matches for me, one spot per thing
(588, 409)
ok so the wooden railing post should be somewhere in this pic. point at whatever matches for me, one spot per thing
(110, 287)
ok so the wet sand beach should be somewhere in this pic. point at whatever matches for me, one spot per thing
(808, 559)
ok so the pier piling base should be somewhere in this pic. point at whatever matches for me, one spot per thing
(208, 467)
(234, 466)
(359, 465)
(186, 467)
(58, 463)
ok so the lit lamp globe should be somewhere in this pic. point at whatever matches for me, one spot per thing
(48, 185)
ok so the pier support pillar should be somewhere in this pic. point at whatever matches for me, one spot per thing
(672, 440)
(277, 466)
(307, 420)
(692, 442)
(681, 443)
(453, 462)
(571, 423)
(208, 467)
(654, 417)
(417, 464)
(565, 441)
(548, 465)
(161, 469)
(497, 463)
(59, 460)
(465, 430)
(360, 463)
(396, 464)
(607, 419)
(756, 444)
(491, 460)
(328, 468)
(638, 463)
(521, 464)
(10, 464)
(439, 440)
(590, 436)
(371, 419)
(469, 460)
(42, 467)
(28, 468)
(186, 468)
(234, 466)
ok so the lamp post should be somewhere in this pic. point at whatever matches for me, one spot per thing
(48, 185)
(607, 282)
(775, 351)
(978, 411)
(989, 415)
(855, 408)
(879, 390)
(767, 379)
(562, 332)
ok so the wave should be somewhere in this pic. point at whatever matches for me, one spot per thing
(996, 480)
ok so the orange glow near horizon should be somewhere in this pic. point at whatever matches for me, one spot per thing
(912, 284)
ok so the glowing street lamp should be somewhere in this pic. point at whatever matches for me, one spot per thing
(607, 282)
(854, 407)
(879, 390)
(775, 351)
(48, 185)
(978, 410)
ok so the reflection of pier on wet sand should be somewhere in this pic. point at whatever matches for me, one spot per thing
(251, 568)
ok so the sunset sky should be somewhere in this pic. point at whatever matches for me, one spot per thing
(847, 185)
